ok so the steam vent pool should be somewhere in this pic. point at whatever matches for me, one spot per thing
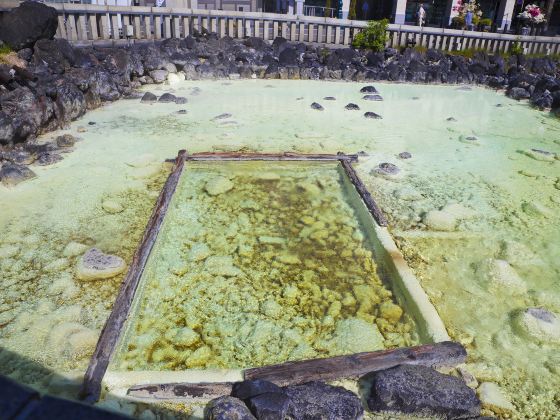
(258, 263)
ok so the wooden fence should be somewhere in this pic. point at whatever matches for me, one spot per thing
(121, 24)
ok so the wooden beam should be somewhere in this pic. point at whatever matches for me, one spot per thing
(444, 354)
(181, 390)
(226, 156)
(364, 193)
(110, 334)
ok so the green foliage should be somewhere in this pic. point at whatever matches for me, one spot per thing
(373, 37)
(468, 53)
(328, 5)
(485, 22)
(516, 48)
(5, 49)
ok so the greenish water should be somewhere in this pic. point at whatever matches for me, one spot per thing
(509, 211)
(259, 263)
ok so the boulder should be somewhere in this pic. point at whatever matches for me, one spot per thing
(167, 97)
(95, 265)
(372, 98)
(372, 115)
(352, 107)
(317, 400)
(493, 398)
(288, 57)
(368, 89)
(251, 388)
(12, 174)
(66, 140)
(159, 76)
(148, 98)
(387, 170)
(538, 324)
(269, 406)
(48, 158)
(518, 93)
(404, 155)
(422, 390)
(227, 408)
(23, 26)
(317, 106)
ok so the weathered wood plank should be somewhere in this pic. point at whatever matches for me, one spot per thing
(364, 193)
(442, 354)
(180, 390)
(91, 386)
(270, 156)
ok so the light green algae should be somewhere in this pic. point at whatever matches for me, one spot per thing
(259, 263)
(490, 199)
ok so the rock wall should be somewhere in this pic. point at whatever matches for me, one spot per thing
(55, 83)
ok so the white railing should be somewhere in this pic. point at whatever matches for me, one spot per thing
(86, 23)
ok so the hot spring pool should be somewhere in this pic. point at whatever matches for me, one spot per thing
(493, 251)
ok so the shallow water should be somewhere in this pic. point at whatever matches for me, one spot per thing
(510, 210)
(259, 263)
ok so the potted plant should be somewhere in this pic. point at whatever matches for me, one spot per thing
(468, 14)
(485, 24)
(530, 18)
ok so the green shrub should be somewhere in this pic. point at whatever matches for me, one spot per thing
(485, 22)
(5, 49)
(373, 37)
(516, 48)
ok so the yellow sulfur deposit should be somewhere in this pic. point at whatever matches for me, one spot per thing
(272, 268)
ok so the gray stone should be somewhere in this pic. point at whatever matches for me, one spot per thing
(269, 406)
(372, 97)
(180, 100)
(317, 106)
(352, 107)
(148, 98)
(159, 76)
(167, 98)
(422, 390)
(66, 140)
(405, 155)
(227, 408)
(247, 389)
(368, 89)
(372, 115)
(47, 158)
(329, 98)
(24, 25)
(222, 117)
(319, 401)
(95, 265)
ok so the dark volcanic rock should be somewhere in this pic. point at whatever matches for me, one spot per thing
(149, 98)
(12, 174)
(247, 389)
(166, 98)
(352, 107)
(288, 57)
(317, 400)
(372, 115)
(518, 93)
(405, 155)
(48, 158)
(66, 140)
(270, 406)
(422, 390)
(317, 106)
(329, 98)
(180, 100)
(368, 89)
(227, 408)
(372, 97)
(24, 25)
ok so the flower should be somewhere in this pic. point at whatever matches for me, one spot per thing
(532, 14)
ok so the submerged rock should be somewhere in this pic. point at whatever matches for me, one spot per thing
(404, 155)
(317, 106)
(271, 405)
(329, 98)
(493, 398)
(218, 185)
(422, 390)
(12, 174)
(469, 139)
(440, 220)
(539, 154)
(498, 273)
(317, 400)
(159, 76)
(372, 97)
(227, 408)
(387, 170)
(354, 335)
(538, 324)
(95, 265)
(352, 107)
(221, 116)
(221, 265)
(112, 206)
(372, 115)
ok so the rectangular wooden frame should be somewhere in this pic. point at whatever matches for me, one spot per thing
(91, 387)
